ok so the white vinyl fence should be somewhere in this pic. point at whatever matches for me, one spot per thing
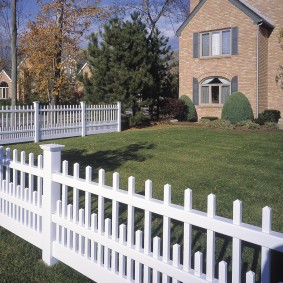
(92, 227)
(36, 123)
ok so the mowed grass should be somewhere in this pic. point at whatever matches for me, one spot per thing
(245, 165)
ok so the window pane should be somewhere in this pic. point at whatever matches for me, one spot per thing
(215, 46)
(204, 94)
(225, 93)
(215, 94)
(205, 44)
(226, 42)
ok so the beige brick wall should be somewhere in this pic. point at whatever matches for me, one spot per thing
(263, 69)
(273, 9)
(243, 65)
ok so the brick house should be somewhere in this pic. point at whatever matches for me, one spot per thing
(227, 46)
(5, 85)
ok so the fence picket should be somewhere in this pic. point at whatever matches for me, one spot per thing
(166, 231)
(210, 256)
(236, 243)
(156, 254)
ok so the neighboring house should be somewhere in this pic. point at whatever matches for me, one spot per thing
(5, 85)
(227, 46)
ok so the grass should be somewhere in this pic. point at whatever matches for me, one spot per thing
(245, 165)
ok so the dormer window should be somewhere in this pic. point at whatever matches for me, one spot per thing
(216, 43)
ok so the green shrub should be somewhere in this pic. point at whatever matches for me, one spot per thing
(271, 125)
(218, 123)
(192, 113)
(237, 108)
(271, 116)
(221, 124)
(5, 102)
(139, 120)
(248, 124)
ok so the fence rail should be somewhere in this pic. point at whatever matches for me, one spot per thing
(107, 233)
(35, 123)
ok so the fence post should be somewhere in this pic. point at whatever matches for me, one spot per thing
(83, 106)
(36, 121)
(51, 193)
(119, 116)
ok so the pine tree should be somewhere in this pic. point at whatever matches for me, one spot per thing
(119, 65)
(127, 65)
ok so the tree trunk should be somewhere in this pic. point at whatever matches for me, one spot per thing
(58, 58)
(14, 53)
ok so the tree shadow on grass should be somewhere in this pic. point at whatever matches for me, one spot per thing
(109, 160)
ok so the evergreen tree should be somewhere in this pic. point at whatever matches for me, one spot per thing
(127, 65)
(119, 65)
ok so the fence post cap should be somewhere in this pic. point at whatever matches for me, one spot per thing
(52, 147)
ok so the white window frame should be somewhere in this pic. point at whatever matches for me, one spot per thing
(220, 85)
(4, 91)
(210, 43)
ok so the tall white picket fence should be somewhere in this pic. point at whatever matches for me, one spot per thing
(35, 123)
(64, 215)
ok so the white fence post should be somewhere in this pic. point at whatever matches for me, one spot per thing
(119, 116)
(83, 117)
(36, 121)
(51, 193)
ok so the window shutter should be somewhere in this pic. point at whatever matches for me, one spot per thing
(195, 91)
(234, 40)
(234, 84)
(195, 45)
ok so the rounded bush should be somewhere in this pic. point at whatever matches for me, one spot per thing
(237, 108)
(192, 113)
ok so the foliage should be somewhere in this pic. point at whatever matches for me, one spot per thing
(127, 66)
(271, 125)
(139, 120)
(248, 124)
(118, 64)
(52, 40)
(237, 108)
(174, 108)
(268, 116)
(210, 118)
(215, 123)
(5, 102)
(192, 113)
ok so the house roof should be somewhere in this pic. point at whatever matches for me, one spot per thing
(242, 5)
(5, 74)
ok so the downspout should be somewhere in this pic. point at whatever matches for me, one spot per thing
(257, 69)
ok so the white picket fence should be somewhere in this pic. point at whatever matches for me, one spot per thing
(35, 123)
(55, 211)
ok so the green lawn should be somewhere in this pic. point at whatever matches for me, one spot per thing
(232, 164)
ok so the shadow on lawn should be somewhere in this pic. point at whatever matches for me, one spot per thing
(109, 160)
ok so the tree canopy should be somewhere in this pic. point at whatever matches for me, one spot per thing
(51, 38)
(126, 65)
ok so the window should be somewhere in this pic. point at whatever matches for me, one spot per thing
(3, 90)
(216, 43)
(214, 90)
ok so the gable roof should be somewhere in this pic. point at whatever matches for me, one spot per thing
(242, 5)
(5, 74)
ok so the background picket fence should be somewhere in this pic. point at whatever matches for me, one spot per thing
(80, 222)
(35, 123)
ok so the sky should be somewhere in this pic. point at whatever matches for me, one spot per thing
(167, 26)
